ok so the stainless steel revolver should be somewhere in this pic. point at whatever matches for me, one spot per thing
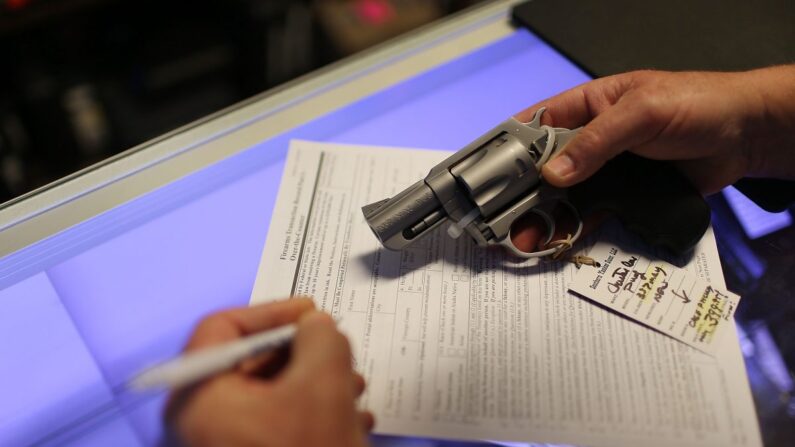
(486, 186)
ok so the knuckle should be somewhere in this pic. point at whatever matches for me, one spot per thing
(646, 100)
(650, 109)
(641, 77)
(211, 323)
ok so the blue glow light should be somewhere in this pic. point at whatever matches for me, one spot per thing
(755, 221)
(124, 289)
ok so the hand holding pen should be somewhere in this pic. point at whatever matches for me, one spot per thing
(304, 397)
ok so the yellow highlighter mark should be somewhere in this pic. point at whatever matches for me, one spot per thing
(708, 313)
(655, 283)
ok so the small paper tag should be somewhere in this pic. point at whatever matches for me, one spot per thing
(657, 294)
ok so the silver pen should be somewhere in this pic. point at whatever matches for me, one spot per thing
(194, 366)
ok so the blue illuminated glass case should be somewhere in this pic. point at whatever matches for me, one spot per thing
(106, 272)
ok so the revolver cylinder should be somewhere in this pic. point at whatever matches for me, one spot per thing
(498, 173)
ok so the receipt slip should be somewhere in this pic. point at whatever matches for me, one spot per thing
(657, 294)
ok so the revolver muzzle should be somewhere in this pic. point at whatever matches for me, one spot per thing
(398, 221)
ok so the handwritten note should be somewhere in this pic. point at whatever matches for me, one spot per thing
(658, 295)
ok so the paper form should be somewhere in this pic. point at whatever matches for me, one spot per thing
(455, 343)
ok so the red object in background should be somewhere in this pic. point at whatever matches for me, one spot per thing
(374, 12)
(16, 4)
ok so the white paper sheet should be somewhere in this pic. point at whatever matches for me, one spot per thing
(657, 294)
(455, 344)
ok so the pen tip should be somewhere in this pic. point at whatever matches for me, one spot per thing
(142, 382)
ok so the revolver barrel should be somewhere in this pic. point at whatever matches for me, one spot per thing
(398, 221)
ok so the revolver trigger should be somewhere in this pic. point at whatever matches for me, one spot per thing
(554, 249)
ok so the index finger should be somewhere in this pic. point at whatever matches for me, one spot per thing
(530, 230)
(319, 346)
(231, 324)
(579, 105)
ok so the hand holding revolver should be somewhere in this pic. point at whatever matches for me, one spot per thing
(717, 126)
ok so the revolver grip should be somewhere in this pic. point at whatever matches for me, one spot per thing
(651, 198)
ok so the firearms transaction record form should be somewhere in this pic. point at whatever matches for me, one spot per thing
(459, 342)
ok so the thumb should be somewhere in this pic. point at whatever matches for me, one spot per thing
(626, 124)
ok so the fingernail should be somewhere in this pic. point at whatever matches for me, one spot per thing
(561, 166)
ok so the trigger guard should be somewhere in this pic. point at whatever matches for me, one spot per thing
(550, 225)
(507, 243)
